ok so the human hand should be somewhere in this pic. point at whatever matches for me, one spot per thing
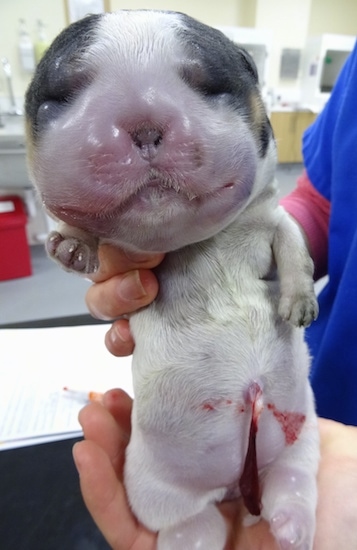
(100, 459)
(123, 284)
(337, 487)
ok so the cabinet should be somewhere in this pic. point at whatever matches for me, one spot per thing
(323, 58)
(288, 127)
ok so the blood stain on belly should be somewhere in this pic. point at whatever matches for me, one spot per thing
(291, 423)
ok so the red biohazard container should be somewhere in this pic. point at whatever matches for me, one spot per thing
(15, 259)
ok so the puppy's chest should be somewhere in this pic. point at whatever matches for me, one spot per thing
(218, 281)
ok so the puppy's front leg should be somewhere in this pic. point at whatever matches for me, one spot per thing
(298, 303)
(74, 249)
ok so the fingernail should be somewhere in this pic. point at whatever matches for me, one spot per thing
(131, 288)
(121, 333)
(77, 455)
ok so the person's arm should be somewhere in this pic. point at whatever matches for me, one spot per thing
(312, 212)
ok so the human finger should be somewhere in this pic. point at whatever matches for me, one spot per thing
(122, 294)
(100, 426)
(337, 482)
(105, 499)
(108, 425)
(119, 340)
(99, 460)
(119, 405)
(113, 260)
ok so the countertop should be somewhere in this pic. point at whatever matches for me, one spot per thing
(13, 131)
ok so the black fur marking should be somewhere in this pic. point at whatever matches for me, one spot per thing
(216, 67)
(60, 75)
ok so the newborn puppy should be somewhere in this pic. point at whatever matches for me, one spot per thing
(147, 130)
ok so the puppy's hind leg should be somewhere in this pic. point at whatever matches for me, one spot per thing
(206, 530)
(289, 496)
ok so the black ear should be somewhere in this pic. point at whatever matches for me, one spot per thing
(249, 63)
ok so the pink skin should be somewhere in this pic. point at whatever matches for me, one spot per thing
(153, 169)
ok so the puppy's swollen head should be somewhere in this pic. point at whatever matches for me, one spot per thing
(147, 129)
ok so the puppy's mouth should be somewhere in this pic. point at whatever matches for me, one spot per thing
(156, 195)
(160, 188)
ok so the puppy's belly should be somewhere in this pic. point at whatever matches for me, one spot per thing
(192, 412)
(174, 471)
(194, 402)
(206, 448)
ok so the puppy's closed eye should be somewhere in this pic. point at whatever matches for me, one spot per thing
(54, 104)
(61, 75)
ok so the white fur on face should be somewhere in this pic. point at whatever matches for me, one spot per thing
(200, 174)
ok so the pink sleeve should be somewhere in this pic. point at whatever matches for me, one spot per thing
(312, 211)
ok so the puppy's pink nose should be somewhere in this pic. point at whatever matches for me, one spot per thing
(148, 140)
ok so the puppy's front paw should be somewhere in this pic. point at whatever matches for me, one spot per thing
(72, 253)
(299, 309)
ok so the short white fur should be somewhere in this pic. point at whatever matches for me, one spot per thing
(235, 286)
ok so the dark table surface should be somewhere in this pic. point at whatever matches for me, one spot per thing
(41, 507)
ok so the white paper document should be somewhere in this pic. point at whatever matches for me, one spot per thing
(35, 367)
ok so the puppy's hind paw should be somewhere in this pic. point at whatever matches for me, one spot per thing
(291, 530)
(72, 253)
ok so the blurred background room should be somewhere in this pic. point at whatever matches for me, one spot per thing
(299, 47)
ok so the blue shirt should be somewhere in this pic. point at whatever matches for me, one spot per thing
(330, 156)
